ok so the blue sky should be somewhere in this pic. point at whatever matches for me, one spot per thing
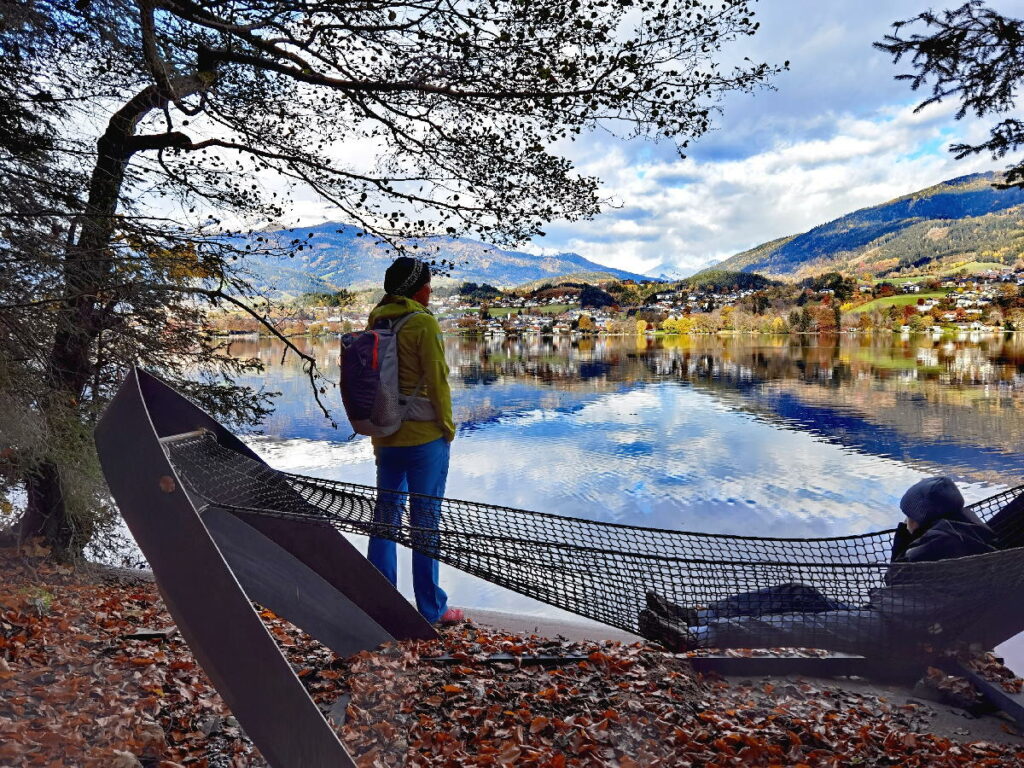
(837, 134)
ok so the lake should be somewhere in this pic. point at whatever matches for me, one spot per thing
(774, 436)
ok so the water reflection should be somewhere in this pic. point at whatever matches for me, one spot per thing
(942, 403)
(755, 435)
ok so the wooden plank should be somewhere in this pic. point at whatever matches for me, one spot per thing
(837, 665)
(1010, 703)
(832, 665)
(152, 634)
(543, 660)
(209, 607)
(182, 436)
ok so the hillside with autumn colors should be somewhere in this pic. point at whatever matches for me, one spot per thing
(963, 220)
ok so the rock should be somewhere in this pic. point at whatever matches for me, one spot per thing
(124, 760)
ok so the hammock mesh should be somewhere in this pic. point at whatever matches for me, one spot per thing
(603, 571)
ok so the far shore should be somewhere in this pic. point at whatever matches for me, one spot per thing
(945, 333)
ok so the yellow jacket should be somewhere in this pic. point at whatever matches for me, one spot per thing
(420, 355)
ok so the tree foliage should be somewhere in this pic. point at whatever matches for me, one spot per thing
(340, 298)
(725, 280)
(974, 55)
(485, 292)
(592, 296)
(842, 287)
(153, 124)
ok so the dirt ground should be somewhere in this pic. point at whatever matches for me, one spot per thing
(83, 683)
(944, 720)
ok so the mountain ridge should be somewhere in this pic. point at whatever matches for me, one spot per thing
(960, 217)
(335, 256)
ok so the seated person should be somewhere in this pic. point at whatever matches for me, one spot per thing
(937, 527)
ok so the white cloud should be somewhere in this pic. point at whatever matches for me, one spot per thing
(838, 133)
(692, 211)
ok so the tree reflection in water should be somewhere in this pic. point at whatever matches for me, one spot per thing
(773, 436)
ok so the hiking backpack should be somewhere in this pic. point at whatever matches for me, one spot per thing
(369, 381)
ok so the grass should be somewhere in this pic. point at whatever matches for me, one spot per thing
(902, 280)
(971, 268)
(553, 309)
(979, 266)
(897, 301)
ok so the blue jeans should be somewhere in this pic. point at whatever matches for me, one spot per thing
(413, 469)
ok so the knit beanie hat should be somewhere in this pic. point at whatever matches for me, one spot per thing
(933, 499)
(405, 276)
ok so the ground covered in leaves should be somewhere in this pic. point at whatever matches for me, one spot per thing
(84, 683)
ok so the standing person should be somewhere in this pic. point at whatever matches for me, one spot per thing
(415, 458)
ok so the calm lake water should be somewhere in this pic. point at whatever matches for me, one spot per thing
(787, 436)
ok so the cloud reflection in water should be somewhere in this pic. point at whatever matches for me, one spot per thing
(746, 435)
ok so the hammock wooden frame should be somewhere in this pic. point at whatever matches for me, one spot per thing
(210, 566)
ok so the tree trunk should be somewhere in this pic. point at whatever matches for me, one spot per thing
(46, 515)
(87, 268)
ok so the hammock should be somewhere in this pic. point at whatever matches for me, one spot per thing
(603, 571)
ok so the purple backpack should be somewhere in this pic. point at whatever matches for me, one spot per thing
(369, 381)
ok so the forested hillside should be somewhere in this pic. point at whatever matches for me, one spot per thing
(964, 219)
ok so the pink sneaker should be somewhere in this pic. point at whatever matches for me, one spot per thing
(452, 616)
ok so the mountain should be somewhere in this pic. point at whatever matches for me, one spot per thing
(590, 278)
(961, 220)
(335, 256)
(668, 272)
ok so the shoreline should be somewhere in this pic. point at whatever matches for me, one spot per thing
(946, 332)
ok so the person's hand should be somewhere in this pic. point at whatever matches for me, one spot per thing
(900, 540)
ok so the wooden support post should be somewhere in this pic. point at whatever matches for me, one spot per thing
(1010, 703)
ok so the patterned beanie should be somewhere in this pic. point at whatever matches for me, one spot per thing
(405, 276)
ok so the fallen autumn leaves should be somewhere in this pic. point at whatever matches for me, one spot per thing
(75, 691)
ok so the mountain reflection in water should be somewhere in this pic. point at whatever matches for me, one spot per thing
(773, 436)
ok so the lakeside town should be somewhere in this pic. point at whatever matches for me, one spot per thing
(989, 299)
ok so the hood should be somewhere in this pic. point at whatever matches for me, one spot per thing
(934, 499)
(395, 306)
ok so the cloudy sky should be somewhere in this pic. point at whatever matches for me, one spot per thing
(839, 133)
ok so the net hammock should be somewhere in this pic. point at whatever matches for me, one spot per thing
(838, 593)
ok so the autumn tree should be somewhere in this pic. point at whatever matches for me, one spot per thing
(409, 119)
(974, 55)
(592, 296)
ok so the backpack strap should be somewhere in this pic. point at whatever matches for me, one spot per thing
(396, 325)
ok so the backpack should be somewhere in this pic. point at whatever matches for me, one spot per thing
(369, 381)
